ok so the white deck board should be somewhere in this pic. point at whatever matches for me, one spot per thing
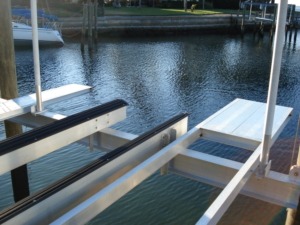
(232, 117)
(243, 120)
(21, 105)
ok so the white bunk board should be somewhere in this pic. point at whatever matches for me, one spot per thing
(22, 105)
(241, 123)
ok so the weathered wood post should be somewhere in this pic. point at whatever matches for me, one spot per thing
(273, 27)
(286, 32)
(243, 21)
(90, 23)
(95, 19)
(9, 90)
(291, 33)
(296, 32)
(101, 7)
(90, 16)
(83, 30)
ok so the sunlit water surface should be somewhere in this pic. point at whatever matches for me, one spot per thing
(160, 77)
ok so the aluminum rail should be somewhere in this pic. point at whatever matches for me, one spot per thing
(29, 146)
(216, 210)
(36, 55)
(273, 86)
(46, 205)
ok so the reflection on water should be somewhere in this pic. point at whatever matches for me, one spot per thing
(160, 77)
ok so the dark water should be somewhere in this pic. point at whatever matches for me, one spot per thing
(160, 77)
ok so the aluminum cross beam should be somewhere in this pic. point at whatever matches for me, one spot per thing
(91, 207)
(224, 200)
(105, 140)
(276, 188)
(44, 208)
(12, 156)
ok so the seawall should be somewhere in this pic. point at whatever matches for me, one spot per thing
(223, 23)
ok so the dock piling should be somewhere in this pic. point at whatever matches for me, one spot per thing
(8, 90)
(89, 23)
(83, 30)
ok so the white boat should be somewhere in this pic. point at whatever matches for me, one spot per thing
(22, 35)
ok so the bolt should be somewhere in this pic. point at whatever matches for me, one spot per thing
(296, 174)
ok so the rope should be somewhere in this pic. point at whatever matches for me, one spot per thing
(295, 141)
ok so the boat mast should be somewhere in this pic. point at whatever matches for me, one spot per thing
(273, 86)
(36, 56)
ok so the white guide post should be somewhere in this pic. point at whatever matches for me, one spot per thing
(36, 56)
(273, 85)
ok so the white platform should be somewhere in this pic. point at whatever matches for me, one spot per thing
(22, 105)
(241, 122)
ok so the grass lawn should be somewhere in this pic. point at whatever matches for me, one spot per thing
(63, 9)
(150, 11)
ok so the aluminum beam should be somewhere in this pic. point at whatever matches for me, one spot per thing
(104, 198)
(276, 188)
(22, 105)
(105, 140)
(37, 149)
(51, 208)
(232, 189)
(94, 205)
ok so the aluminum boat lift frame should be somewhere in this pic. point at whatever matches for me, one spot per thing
(82, 200)
(81, 196)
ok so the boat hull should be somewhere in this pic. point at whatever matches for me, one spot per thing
(22, 35)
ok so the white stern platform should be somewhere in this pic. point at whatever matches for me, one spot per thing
(19, 106)
(240, 124)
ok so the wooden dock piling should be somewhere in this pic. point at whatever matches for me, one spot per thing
(89, 23)
(83, 30)
(9, 90)
(95, 20)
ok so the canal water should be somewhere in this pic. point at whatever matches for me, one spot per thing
(160, 77)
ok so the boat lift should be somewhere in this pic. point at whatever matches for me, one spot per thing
(78, 198)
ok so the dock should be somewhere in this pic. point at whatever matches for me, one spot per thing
(131, 159)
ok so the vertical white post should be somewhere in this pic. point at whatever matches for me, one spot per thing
(273, 85)
(250, 12)
(36, 56)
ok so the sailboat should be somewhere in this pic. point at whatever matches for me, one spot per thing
(48, 34)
